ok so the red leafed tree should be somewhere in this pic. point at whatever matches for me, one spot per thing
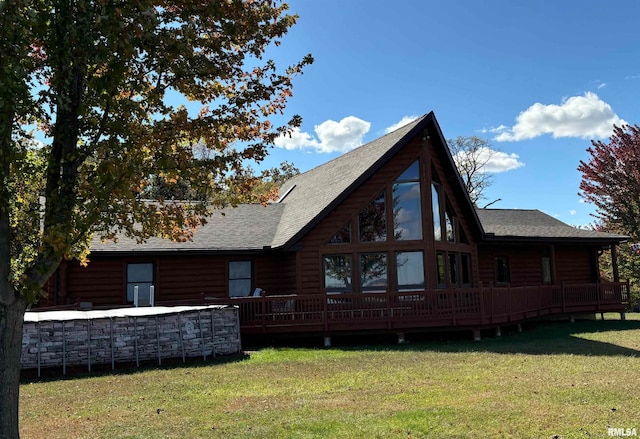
(611, 180)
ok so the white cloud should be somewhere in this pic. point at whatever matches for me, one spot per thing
(578, 116)
(601, 85)
(572, 212)
(332, 136)
(632, 77)
(496, 161)
(404, 121)
(498, 129)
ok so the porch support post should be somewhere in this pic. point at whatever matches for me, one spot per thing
(401, 339)
(614, 263)
(327, 342)
(476, 334)
(498, 331)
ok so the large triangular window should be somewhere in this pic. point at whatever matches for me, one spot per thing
(372, 221)
(342, 236)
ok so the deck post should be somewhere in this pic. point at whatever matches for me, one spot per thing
(614, 263)
(519, 327)
(401, 339)
(327, 341)
(476, 334)
(498, 332)
(572, 319)
(623, 316)
(481, 297)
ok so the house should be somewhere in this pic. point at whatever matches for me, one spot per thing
(383, 238)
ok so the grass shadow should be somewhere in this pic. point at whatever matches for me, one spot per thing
(126, 368)
(536, 338)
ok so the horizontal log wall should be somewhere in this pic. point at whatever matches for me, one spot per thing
(205, 332)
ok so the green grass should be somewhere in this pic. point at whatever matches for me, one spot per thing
(570, 380)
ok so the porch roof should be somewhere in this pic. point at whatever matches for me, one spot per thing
(519, 224)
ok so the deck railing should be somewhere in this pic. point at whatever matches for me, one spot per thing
(432, 308)
(465, 307)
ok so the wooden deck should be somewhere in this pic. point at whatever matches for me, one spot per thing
(460, 308)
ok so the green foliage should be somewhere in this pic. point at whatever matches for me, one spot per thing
(104, 74)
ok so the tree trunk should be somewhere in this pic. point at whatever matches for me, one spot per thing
(11, 319)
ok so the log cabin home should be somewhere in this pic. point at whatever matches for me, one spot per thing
(383, 238)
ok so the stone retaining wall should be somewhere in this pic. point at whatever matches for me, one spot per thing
(87, 338)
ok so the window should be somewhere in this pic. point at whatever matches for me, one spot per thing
(503, 276)
(407, 212)
(450, 220)
(546, 270)
(465, 269)
(372, 221)
(441, 279)
(240, 278)
(140, 275)
(337, 273)
(373, 272)
(435, 204)
(453, 269)
(410, 271)
(343, 236)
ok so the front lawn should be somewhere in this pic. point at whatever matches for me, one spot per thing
(570, 380)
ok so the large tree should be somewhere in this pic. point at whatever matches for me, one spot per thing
(471, 156)
(611, 181)
(98, 81)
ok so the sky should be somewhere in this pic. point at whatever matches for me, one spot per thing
(537, 79)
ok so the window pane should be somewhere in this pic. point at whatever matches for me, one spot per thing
(373, 272)
(451, 231)
(410, 271)
(453, 268)
(343, 236)
(411, 173)
(465, 269)
(440, 270)
(337, 273)
(546, 270)
(407, 215)
(144, 292)
(502, 270)
(435, 205)
(239, 287)
(372, 221)
(240, 270)
(139, 273)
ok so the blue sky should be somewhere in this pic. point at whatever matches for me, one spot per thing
(537, 79)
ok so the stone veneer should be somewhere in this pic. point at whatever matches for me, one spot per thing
(87, 338)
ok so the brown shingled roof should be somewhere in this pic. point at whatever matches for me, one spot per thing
(529, 224)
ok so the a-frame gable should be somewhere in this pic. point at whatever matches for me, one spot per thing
(311, 196)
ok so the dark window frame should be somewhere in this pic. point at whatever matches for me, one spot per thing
(502, 270)
(251, 277)
(132, 284)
